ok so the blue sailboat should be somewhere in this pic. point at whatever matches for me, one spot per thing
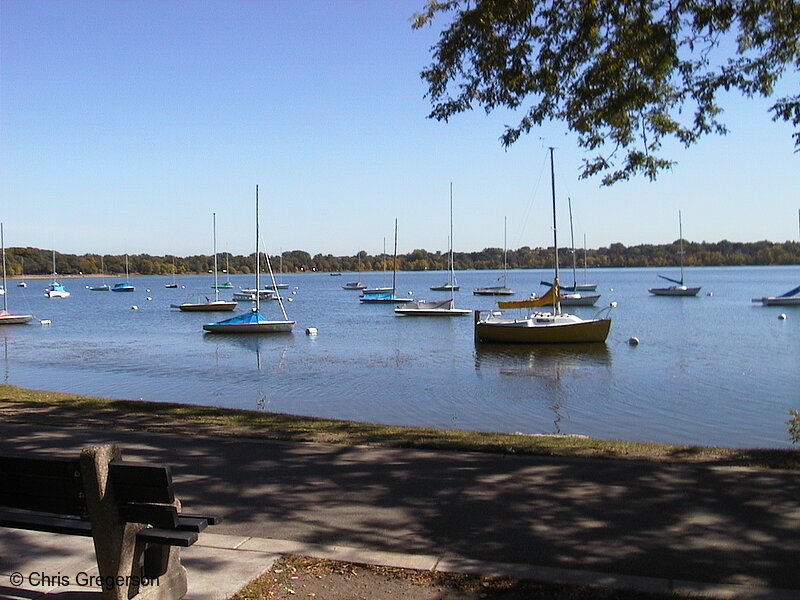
(125, 286)
(386, 295)
(254, 321)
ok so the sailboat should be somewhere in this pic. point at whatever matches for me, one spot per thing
(174, 283)
(570, 296)
(380, 290)
(22, 284)
(280, 285)
(451, 285)
(55, 289)
(498, 290)
(126, 285)
(7, 318)
(103, 287)
(215, 305)
(679, 289)
(386, 295)
(355, 285)
(227, 284)
(254, 321)
(553, 327)
(437, 308)
(790, 298)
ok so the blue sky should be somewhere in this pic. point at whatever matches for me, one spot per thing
(125, 124)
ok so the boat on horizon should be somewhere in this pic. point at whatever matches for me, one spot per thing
(55, 289)
(679, 288)
(215, 305)
(437, 308)
(386, 295)
(498, 290)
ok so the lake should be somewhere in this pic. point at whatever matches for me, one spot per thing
(714, 369)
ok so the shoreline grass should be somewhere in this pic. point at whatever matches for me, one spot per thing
(20, 405)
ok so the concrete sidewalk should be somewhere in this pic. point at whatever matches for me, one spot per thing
(634, 524)
(220, 565)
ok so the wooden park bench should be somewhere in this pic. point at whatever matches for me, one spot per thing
(129, 509)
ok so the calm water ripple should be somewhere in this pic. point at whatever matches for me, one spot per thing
(709, 370)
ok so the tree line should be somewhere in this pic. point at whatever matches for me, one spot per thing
(35, 261)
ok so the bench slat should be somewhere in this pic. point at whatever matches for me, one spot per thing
(167, 537)
(190, 524)
(208, 519)
(164, 516)
(61, 506)
(40, 522)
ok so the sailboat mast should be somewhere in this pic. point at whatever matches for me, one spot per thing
(557, 302)
(5, 291)
(553, 189)
(505, 250)
(394, 259)
(452, 268)
(214, 227)
(680, 241)
(584, 258)
(258, 274)
(572, 241)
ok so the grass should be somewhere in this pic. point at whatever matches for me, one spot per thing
(32, 406)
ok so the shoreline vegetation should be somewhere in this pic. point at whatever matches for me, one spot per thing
(21, 405)
(32, 262)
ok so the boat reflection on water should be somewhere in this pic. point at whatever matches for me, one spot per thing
(234, 352)
(551, 375)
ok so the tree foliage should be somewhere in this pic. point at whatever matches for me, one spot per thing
(624, 75)
(34, 261)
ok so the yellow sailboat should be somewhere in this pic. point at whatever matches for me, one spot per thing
(542, 327)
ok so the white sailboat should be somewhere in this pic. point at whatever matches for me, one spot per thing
(553, 327)
(678, 289)
(790, 298)
(437, 308)
(386, 295)
(498, 290)
(103, 287)
(254, 321)
(174, 283)
(55, 289)
(7, 318)
(215, 305)
(355, 285)
(570, 296)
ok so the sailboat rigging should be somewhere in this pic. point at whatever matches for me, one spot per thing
(215, 305)
(437, 308)
(254, 321)
(103, 287)
(174, 283)
(543, 327)
(386, 295)
(498, 290)
(679, 289)
(55, 289)
(570, 296)
(126, 285)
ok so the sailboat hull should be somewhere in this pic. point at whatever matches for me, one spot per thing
(526, 331)
(254, 327)
(678, 290)
(206, 307)
(493, 291)
(426, 308)
(11, 319)
(576, 299)
(445, 288)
